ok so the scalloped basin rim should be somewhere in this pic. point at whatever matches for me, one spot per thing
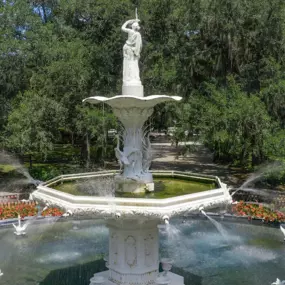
(141, 101)
(107, 207)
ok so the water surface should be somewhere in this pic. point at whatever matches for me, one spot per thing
(69, 253)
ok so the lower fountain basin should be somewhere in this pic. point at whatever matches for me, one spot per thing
(71, 251)
(175, 200)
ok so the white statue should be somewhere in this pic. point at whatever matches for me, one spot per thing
(278, 282)
(131, 52)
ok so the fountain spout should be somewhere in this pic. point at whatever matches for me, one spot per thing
(165, 219)
(201, 209)
(67, 214)
(19, 229)
(1, 273)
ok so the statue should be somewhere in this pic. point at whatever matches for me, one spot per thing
(131, 52)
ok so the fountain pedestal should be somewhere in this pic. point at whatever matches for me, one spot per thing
(133, 253)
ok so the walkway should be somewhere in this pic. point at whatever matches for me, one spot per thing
(198, 160)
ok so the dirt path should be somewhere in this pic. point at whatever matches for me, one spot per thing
(199, 160)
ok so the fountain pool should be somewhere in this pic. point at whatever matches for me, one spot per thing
(71, 251)
(164, 187)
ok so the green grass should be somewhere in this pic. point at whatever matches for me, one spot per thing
(6, 168)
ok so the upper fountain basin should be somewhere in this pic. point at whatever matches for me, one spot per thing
(110, 207)
(128, 101)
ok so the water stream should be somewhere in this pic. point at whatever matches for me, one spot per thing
(218, 226)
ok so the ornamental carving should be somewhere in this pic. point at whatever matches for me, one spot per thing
(130, 251)
(149, 249)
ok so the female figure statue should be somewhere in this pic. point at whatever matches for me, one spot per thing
(131, 52)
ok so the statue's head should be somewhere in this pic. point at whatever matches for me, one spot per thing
(136, 26)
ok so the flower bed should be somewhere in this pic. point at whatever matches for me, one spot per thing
(257, 211)
(54, 212)
(11, 210)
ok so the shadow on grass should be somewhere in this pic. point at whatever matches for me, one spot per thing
(81, 274)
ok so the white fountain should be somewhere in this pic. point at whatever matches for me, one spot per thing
(20, 229)
(133, 222)
(133, 109)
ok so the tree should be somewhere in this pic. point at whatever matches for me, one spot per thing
(93, 124)
(34, 124)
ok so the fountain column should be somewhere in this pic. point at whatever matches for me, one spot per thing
(134, 253)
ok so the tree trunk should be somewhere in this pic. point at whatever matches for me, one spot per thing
(30, 161)
(44, 13)
(72, 138)
(88, 151)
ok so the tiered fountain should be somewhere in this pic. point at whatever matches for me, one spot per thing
(133, 233)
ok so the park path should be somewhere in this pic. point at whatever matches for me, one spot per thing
(198, 160)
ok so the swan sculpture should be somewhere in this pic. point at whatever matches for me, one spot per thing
(122, 159)
(283, 231)
(67, 214)
(278, 282)
(19, 229)
(147, 155)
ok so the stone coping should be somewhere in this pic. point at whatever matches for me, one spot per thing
(110, 207)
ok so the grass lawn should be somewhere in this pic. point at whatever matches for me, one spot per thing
(6, 168)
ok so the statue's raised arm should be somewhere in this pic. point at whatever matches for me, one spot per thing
(124, 27)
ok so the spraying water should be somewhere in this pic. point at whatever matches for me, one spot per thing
(103, 187)
(257, 176)
(9, 159)
(172, 232)
(217, 225)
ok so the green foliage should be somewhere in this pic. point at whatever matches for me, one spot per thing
(44, 172)
(231, 123)
(56, 53)
(33, 124)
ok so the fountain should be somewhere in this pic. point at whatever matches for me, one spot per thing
(133, 222)
(20, 229)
